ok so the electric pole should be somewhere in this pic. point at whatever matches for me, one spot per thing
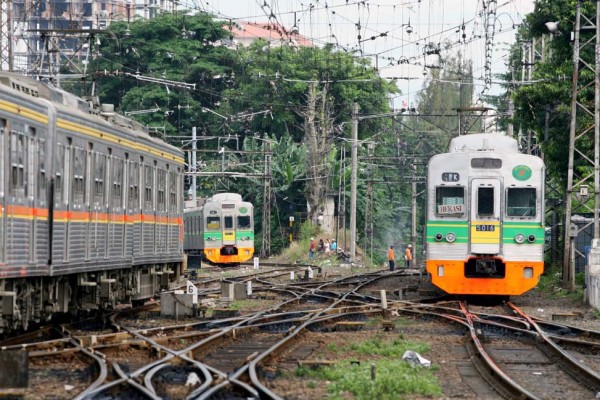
(6, 49)
(353, 183)
(580, 133)
(265, 250)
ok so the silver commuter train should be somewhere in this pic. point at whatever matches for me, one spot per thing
(220, 231)
(90, 206)
(485, 217)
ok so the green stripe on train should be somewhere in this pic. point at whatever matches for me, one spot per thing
(461, 230)
(512, 229)
(244, 234)
(213, 235)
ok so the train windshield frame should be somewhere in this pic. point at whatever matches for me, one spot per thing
(521, 202)
(244, 222)
(450, 201)
(213, 222)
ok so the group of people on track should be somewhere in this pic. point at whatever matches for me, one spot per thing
(331, 246)
(408, 257)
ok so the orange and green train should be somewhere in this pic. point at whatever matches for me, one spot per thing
(220, 231)
(485, 217)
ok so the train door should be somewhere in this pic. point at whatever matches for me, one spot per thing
(3, 155)
(228, 228)
(30, 200)
(485, 216)
(97, 236)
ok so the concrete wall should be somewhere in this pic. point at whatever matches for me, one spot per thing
(592, 276)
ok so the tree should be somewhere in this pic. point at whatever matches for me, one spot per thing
(299, 98)
(178, 48)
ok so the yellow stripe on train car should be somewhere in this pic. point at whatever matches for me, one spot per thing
(23, 111)
(77, 128)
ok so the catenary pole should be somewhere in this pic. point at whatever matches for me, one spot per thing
(353, 183)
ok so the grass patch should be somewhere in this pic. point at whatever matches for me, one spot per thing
(395, 348)
(551, 283)
(249, 304)
(333, 347)
(394, 378)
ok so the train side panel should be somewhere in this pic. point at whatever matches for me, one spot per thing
(23, 192)
(72, 206)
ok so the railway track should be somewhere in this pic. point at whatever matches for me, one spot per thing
(239, 356)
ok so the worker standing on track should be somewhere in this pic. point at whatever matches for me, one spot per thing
(391, 257)
(408, 255)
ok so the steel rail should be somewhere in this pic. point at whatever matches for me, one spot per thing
(578, 371)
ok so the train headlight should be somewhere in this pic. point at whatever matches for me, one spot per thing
(247, 252)
(531, 238)
(528, 272)
(519, 238)
(440, 270)
(450, 237)
(439, 237)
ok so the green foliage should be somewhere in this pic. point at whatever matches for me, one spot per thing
(238, 84)
(394, 377)
(308, 230)
(396, 348)
(551, 283)
(333, 347)
(161, 48)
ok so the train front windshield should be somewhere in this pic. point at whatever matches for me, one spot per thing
(243, 222)
(213, 223)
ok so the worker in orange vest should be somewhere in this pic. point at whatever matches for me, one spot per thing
(391, 257)
(408, 255)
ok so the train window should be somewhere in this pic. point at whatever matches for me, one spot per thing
(228, 220)
(17, 145)
(486, 163)
(213, 223)
(520, 202)
(172, 192)
(243, 222)
(100, 167)
(58, 177)
(450, 200)
(79, 167)
(148, 184)
(485, 201)
(117, 186)
(133, 184)
(42, 170)
(162, 185)
(79, 161)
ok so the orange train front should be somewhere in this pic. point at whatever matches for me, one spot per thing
(485, 217)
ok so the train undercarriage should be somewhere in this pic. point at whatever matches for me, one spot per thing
(35, 300)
